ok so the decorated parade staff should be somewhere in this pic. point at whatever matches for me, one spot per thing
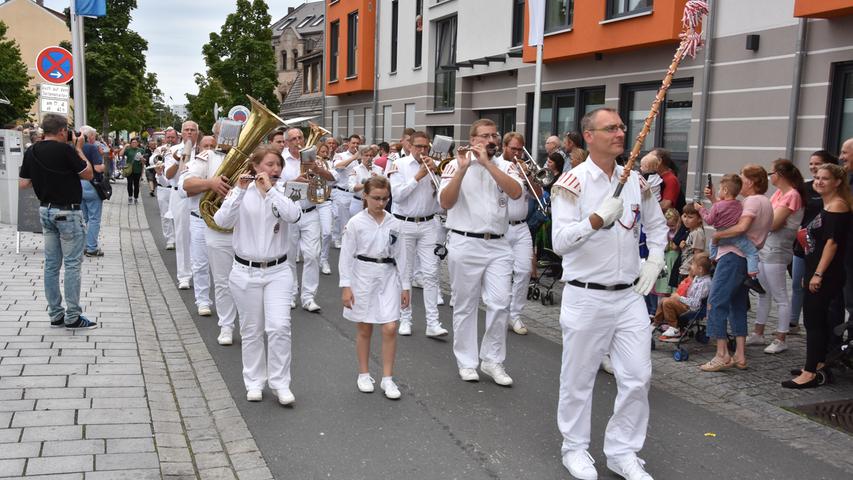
(475, 189)
(260, 279)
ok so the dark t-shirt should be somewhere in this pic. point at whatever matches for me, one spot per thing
(94, 155)
(54, 168)
(824, 226)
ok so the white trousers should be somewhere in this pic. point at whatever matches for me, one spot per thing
(419, 241)
(596, 322)
(198, 259)
(164, 195)
(305, 237)
(262, 296)
(479, 267)
(220, 254)
(522, 253)
(181, 213)
(325, 210)
(356, 205)
(773, 278)
(340, 202)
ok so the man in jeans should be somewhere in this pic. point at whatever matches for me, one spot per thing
(54, 168)
(92, 203)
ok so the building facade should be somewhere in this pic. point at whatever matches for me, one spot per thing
(298, 43)
(440, 65)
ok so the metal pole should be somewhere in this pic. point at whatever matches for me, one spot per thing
(323, 63)
(81, 63)
(537, 100)
(77, 54)
(375, 75)
(794, 108)
(708, 30)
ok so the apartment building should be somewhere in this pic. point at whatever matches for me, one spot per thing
(298, 45)
(440, 65)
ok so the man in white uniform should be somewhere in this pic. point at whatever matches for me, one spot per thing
(603, 309)
(199, 179)
(344, 162)
(475, 189)
(175, 163)
(415, 203)
(198, 244)
(164, 190)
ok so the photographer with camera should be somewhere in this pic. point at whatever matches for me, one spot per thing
(54, 167)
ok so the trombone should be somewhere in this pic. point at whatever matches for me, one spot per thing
(526, 163)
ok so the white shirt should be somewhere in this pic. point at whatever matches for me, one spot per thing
(606, 256)
(359, 174)
(292, 169)
(517, 209)
(204, 165)
(363, 236)
(170, 160)
(259, 222)
(411, 198)
(481, 206)
(344, 173)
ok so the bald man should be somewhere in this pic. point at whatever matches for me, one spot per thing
(552, 144)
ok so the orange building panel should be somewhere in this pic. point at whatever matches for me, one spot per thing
(823, 8)
(362, 79)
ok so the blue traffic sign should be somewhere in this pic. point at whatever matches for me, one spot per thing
(55, 66)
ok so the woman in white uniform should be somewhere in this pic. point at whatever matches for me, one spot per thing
(374, 281)
(260, 280)
(364, 170)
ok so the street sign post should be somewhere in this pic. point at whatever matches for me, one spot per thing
(55, 66)
(54, 105)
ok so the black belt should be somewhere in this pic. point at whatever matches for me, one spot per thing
(250, 263)
(516, 222)
(356, 198)
(598, 286)
(415, 219)
(342, 189)
(174, 188)
(309, 209)
(485, 236)
(376, 260)
(195, 214)
(61, 206)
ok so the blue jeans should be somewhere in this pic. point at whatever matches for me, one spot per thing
(744, 245)
(91, 209)
(728, 298)
(798, 271)
(63, 243)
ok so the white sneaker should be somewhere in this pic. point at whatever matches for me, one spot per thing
(405, 329)
(254, 395)
(311, 306)
(497, 372)
(755, 339)
(285, 396)
(204, 311)
(629, 467)
(365, 383)
(440, 300)
(469, 375)
(325, 269)
(417, 284)
(226, 336)
(776, 346)
(433, 331)
(337, 244)
(184, 285)
(580, 465)
(299, 258)
(170, 246)
(517, 326)
(390, 388)
(671, 332)
(293, 304)
(606, 364)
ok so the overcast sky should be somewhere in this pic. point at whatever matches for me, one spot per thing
(175, 31)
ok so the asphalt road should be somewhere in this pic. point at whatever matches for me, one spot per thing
(443, 428)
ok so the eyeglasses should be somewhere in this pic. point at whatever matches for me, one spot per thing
(420, 146)
(774, 172)
(379, 199)
(488, 136)
(610, 128)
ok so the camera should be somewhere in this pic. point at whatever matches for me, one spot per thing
(72, 134)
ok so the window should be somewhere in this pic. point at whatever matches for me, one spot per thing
(350, 122)
(504, 118)
(445, 130)
(517, 22)
(315, 76)
(621, 8)
(671, 127)
(295, 54)
(419, 31)
(387, 113)
(318, 21)
(287, 23)
(305, 21)
(444, 95)
(334, 34)
(840, 121)
(352, 43)
(368, 125)
(558, 14)
(409, 118)
(336, 123)
(395, 28)
(561, 112)
(284, 60)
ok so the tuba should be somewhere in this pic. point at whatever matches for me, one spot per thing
(319, 190)
(259, 123)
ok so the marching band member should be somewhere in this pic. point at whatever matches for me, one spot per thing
(415, 205)
(603, 309)
(475, 188)
(199, 178)
(164, 189)
(276, 139)
(518, 235)
(260, 280)
(326, 210)
(341, 195)
(175, 164)
(198, 245)
(359, 174)
(305, 234)
(374, 281)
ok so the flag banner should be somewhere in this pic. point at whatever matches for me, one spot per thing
(91, 8)
(536, 19)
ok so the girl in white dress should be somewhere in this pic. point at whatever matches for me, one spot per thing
(260, 280)
(374, 281)
(361, 172)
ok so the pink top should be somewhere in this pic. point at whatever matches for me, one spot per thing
(759, 208)
(723, 214)
(791, 200)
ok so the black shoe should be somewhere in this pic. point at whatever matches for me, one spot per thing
(813, 383)
(151, 193)
(94, 253)
(797, 372)
(82, 323)
(754, 284)
(59, 322)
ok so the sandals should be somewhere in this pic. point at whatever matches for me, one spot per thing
(739, 365)
(716, 365)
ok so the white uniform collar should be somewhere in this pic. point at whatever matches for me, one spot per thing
(597, 172)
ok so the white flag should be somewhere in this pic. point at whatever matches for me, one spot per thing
(536, 17)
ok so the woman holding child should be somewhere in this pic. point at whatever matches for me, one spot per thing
(727, 301)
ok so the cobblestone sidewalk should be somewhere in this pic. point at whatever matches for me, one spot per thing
(134, 398)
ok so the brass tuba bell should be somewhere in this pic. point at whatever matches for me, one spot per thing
(319, 189)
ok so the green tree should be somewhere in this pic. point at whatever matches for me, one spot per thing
(241, 56)
(14, 81)
(200, 106)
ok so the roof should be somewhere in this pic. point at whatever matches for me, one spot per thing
(300, 104)
(306, 18)
(58, 15)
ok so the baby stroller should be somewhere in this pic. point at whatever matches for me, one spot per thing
(840, 357)
(692, 326)
(550, 270)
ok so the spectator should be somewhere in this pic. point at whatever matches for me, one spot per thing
(649, 166)
(149, 172)
(778, 252)
(825, 242)
(92, 203)
(671, 195)
(572, 142)
(727, 301)
(691, 292)
(555, 163)
(133, 156)
(382, 160)
(695, 242)
(54, 168)
(846, 159)
(552, 144)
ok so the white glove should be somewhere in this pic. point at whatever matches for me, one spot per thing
(649, 273)
(610, 210)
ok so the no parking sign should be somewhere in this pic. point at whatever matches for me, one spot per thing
(54, 65)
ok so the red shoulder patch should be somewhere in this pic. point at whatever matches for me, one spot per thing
(569, 182)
